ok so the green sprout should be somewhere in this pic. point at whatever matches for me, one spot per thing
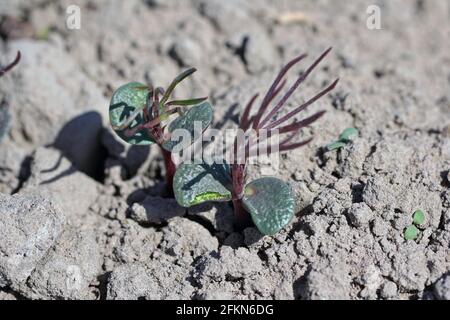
(412, 232)
(266, 202)
(142, 115)
(345, 137)
(418, 217)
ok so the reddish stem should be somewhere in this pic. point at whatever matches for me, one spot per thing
(158, 134)
(242, 216)
(238, 176)
(170, 169)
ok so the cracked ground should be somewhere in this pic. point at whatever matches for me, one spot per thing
(84, 216)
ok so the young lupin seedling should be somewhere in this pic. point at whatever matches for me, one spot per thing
(345, 137)
(4, 114)
(269, 201)
(141, 115)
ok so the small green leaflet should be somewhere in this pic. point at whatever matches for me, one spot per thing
(126, 100)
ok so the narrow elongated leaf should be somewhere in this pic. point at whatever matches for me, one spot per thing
(175, 82)
(270, 202)
(11, 65)
(126, 102)
(187, 102)
(201, 113)
(197, 183)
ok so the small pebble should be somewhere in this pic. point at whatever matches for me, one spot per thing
(360, 214)
(388, 290)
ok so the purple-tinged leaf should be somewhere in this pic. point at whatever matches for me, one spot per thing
(303, 106)
(11, 65)
(270, 93)
(294, 87)
(297, 125)
(245, 121)
(287, 147)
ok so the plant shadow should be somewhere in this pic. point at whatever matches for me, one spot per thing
(79, 141)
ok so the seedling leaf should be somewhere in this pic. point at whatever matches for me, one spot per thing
(347, 134)
(198, 183)
(419, 217)
(345, 137)
(202, 113)
(411, 232)
(187, 102)
(175, 82)
(128, 100)
(270, 202)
